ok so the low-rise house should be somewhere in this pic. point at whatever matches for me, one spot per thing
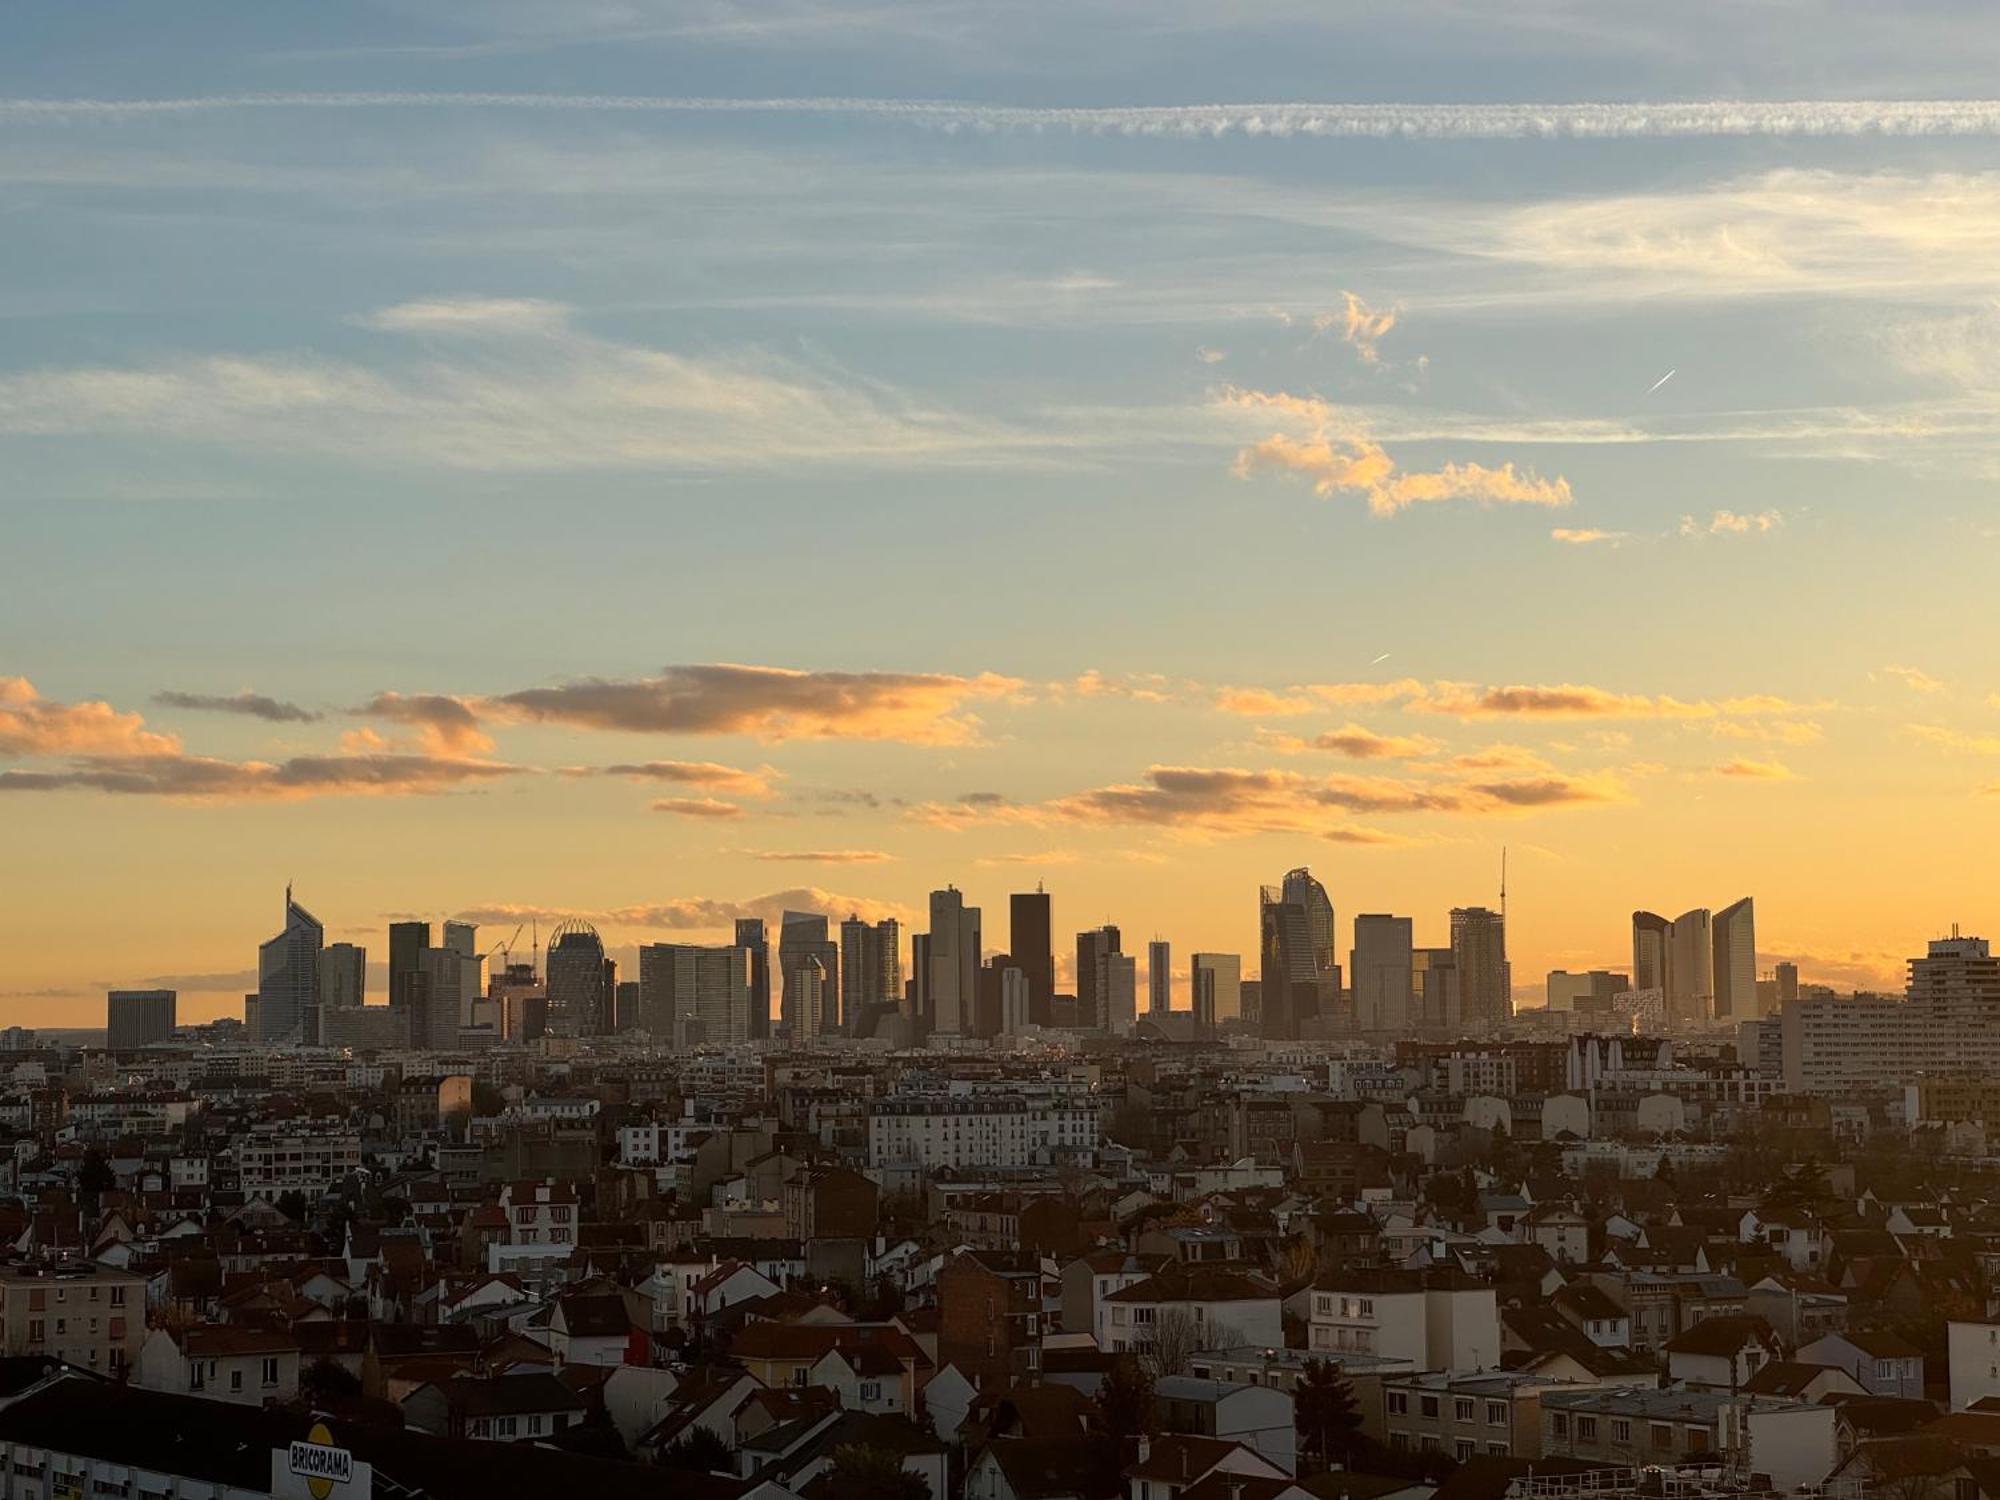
(498, 1408)
(223, 1362)
(1260, 1415)
(1885, 1364)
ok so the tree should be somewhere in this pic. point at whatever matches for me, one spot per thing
(1175, 1339)
(1125, 1399)
(862, 1472)
(94, 1174)
(1325, 1411)
(292, 1204)
(698, 1449)
(326, 1377)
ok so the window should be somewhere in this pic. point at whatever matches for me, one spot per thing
(1621, 1430)
(1462, 1408)
(1498, 1450)
(1463, 1449)
(1399, 1403)
(1428, 1405)
(1662, 1437)
(506, 1426)
(1697, 1440)
(1559, 1424)
(1586, 1429)
(270, 1372)
(1496, 1413)
(235, 1380)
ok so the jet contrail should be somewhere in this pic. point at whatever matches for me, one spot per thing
(1697, 117)
(1379, 660)
(1661, 381)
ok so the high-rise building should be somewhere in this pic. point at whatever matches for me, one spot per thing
(1118, 991)
(138, 1018)
(750, 935)
(1734, 963)
(288, 979)
(580, 981)
(1159, 977)
(407, 940)
(954, 962)
(1288, 971)
(1649, 950)
(1310, 896)
(1485, 978)
(802, 944)
(683, 982)
(343, 976)
(871, 969)
(1955, 989)
(1690, 968)
(523, 1002)
(1382, 970)
(1015, 994)
(917, 994)
(1588, 993)
(1031, 944)
(1787, 977)
(1217, 982)
(1437, 1000)
(1091, 946)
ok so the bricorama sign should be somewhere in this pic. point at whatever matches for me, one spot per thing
(318, 1468)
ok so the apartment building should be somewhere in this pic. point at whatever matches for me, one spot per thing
(86, 1315)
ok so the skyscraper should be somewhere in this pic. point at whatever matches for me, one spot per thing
(1690, 968)
(579, 981)
(1734, 964)
(343, 977)
(1117, 991)
(288, 979)
(1288, 967)
(681, 983)
(1311, 897)
(1649, 950)
(1382, 970)
(1091, 946)
(750, 935)
(803, 948)
(1485, 979)
(1436, 992)
(407, 941)
(1030, 942)
(871, 968)
(138, 1018)
(954, 962)
(1159, 977)
(1217, 982)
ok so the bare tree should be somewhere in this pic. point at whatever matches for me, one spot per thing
(1171, 1346)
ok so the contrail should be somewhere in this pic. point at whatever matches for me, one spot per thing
(1797, 117)
(1379, 660)
(1661, 381)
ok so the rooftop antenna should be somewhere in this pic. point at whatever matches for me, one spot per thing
(535, 954)
(1503, 884)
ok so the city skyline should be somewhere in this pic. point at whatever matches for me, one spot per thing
(648, 463)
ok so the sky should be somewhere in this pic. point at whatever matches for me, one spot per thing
(663, 462)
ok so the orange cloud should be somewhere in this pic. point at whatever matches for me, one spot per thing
(821, 856)
(33, 725)
(445, 724)
(1355, 742)
(702, 773)
(697, 807)
(199, 778)
(1755, 770)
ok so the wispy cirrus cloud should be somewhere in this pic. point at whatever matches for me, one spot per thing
(1958, 740)
(1916, 679)
(820, 856)
(204, 779)
(1585, 536)
(1464, 700)
(697, 807)
(249, 704)
(1756, 770)
(699, 773)
(1732, 523)
(1355, 742)
(699, 913)
(1338, 456)
(1361, 327)
(768, 703)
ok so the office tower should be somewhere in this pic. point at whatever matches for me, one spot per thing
(871, 970)
(1734, 962)
(989, 1009)
(1381, 970)
(580, 992)
(1485, 979)
(803, 941)
(1288, 965)
(1118, 991)
(288, 979)
(1649, 950)
(1310, 896)
(625, 1006)
(138, 1018)
(711, 986)
(1690, 968)
(1030, 941)
(1016, 1001)
(954, 962)
(523, 1001)
(750, 935)
(1585, 993)
(451, 980)
(343, 977)
(1956, 984)
(406, 941)
(1437, 999)
(1159, 977)
(1217, 982)
(1091, 946)
(889, 962)
(917, 995)
(1786, 976)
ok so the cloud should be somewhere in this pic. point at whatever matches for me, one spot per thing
(444, 723)
(1755, 770)
(1037, 857)
(1255, 702)
(821, 856)
(697, 807)
(253, 705)
(1914, 678)
(1272, 120)
(1732, 523)
(701, 913)
(1337, 460)
(1586, 536)
(552, 398)
(33, 725)
(1570, 700)
(1356, 742)
(1955, 739)
(199, 778)
(1500, 758)
(702, 773)
(1779, 731)
(1210, 356)
(769, 703)
(1143, 687)
(236, 981)
(1361, 328)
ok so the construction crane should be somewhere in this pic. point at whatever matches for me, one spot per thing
(506, 947)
